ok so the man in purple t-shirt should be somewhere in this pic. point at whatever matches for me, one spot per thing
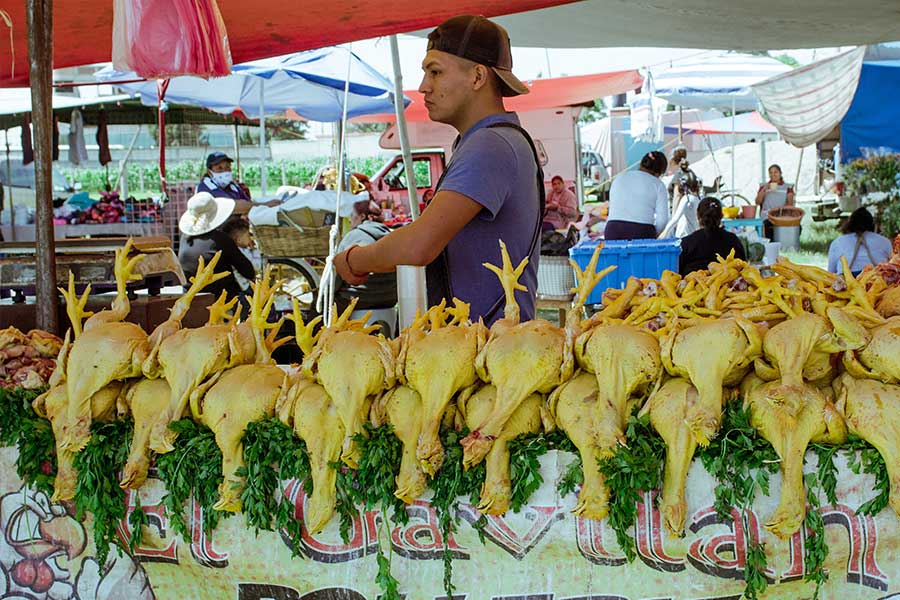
(491, 189)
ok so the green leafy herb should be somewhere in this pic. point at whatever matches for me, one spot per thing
(816, 548)
(36, 462)
(137, 520)
(194, 467)
(384, 579)
(378, 468)
(97, 490)
(572, 477)
(741, 460)
(449, 484)
(826, 472)
(272, 454)
(632, 469)
(15, 410)
(862, 456)
(525, 468)
(755, 571)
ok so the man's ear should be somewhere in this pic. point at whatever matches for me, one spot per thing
(481, 76)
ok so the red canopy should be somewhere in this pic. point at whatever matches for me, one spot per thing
(545, 93)
(82, 29)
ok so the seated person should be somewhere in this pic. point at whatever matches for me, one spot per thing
(238, 229)
(704, 245)
(380, 289)
(203, 228)
(562, 205)
(860, 244)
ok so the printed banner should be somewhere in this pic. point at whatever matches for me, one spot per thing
(541, 553)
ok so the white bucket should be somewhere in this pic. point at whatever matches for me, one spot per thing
(773, 249)
(412, 296)
(789, 236)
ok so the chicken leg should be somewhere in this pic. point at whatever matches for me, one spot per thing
(146, 399)
(872, 411)
(497, 487)
(241, 395)
(402, 408)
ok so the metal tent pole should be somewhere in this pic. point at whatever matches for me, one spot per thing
(237, 151)
(39, 17)
(733, 104)
(401, 129)
(9, 188)
(262, 135)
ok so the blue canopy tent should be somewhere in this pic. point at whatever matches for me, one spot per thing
(312, 84)
(872, 124)
(722, 81)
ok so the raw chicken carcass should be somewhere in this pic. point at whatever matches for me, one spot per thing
(684, 421)
(191, 358)
(527, 418)
(872, 411)
(307, 406)
(799, 348)
(812, 418)
(107, 349)
(53, 405)
(595, 429)
(353, 367)
(145, 399)
(711, 354)
(880, 358)
(402, 408)
(521, 359)
(240, 396)
(444, 341)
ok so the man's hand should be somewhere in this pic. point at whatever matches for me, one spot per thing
(345, 272)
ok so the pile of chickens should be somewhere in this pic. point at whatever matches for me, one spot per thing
(813, 356)
(27, 359)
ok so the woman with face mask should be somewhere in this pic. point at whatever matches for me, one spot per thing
(219, 180)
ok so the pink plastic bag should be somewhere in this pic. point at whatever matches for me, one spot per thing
(158, 39)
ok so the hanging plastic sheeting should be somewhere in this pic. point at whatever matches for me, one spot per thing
(871, 126)
(646, 114)
(721, 81)
(158, 39)
(806, 104)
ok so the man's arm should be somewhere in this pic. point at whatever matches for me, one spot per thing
(418, 243)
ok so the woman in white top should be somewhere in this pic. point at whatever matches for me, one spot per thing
(773, 194)
(684, 219)
(860, 244)
(638, 201)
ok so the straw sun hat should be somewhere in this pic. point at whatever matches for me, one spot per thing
(204, 213)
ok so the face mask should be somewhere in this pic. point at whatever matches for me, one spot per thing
(221, 179)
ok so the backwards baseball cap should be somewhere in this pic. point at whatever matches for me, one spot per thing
(481, 41)
(215, 158)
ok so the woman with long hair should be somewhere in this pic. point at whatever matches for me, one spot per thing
(773, 194)
(711, 240)
(860, 244)
(638, 201)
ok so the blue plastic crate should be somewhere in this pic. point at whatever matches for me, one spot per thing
(633, 258)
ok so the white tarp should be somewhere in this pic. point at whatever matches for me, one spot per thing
(722, 81)
(806, 104)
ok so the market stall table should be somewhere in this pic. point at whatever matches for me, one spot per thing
(735, 225)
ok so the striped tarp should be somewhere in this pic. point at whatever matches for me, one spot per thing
(807, 103)
(716, 81)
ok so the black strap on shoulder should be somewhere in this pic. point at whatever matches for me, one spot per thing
(438, 272)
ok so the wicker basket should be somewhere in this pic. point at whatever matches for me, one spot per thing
(555, 278)
(302, 234)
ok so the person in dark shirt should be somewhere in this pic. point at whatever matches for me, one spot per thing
(204, 229)
(711, 240)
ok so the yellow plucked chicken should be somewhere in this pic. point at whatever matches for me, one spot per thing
(684, 421)
(526, 418)
(314, 416)
(790, 429)
(595, 429)
(105, 349)
(521, 359)
(191, 358)
(711, 354)
(444, 341)
(880, 358)
(402, 408)
(145, 399)
(872, 411)
(353, 367)
(241, 395)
